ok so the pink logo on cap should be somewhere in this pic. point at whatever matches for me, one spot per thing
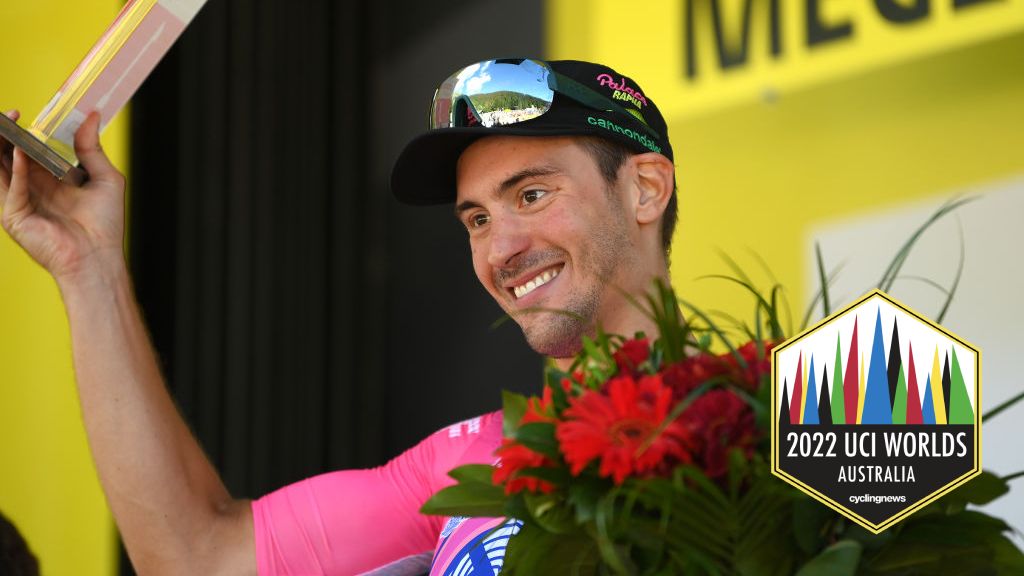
(622, 90)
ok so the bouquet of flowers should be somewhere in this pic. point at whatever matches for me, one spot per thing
(649, 456)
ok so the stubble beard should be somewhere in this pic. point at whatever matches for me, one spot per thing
(559, 334)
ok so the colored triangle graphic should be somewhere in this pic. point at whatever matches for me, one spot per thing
(784, 409)
(928, 407)
(838, 410)
(899, 404)
(861, 388)
(811, 411)
(935, 386)
(825, 407)
(894, 366)
(851, 390)
(798, 387)
(877, 409)
(803, 394)
(960, 410)
(914, 415)
(947, 384)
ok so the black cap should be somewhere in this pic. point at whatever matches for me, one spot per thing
(424, 172)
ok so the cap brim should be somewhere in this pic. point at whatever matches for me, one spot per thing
(424, 172)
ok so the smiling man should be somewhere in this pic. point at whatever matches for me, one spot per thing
(562, 175)
(569, 205)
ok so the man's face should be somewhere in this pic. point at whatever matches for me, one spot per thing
(547, 234)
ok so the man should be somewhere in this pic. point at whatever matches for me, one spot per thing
(562, 175)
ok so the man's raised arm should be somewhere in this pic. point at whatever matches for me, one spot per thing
(173, 511)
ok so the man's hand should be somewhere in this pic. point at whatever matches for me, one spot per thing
(173, 511)
(66, 229)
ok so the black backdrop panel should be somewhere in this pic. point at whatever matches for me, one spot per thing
(305, 320)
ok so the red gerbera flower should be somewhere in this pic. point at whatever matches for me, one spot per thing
(757, 368)
(514, 457)
(621, 426)
(632, 354)
(717, 422)
(685, 376)
(540, 409)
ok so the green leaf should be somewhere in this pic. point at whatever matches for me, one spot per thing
(826, 307)
(1005, 405)
(613, 554)
(539, 437)
(777, 333)
(965, 542)
(474, 495)
(1008, 558)
(556, 476)
(1014, 476)
(810, 518)
(839, 559)
(770, 308)
(969, 542)
(584, 494)
(593, 350)
(473, 473)
(533, 551)
(982, 489)
(550, 512)
(817, 297)
(892, 271)
(766, 545)
(513, 408)
(965, 528)
(474, 499)
(559, 398)
(704, 341)
(956, 281)
(739, 469)
(527, 551)
(869, 540)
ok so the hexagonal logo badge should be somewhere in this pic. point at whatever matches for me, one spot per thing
(876, 411)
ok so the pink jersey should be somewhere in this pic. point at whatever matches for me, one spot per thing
(357, 521)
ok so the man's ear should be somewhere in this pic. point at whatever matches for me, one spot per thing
(654, 181)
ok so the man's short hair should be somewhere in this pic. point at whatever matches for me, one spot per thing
(609, 157)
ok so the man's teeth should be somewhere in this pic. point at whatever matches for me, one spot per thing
(537, 282)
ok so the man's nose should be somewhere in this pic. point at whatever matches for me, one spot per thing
(509, 238)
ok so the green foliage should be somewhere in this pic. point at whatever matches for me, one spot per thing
(539, 437)
(473, 495)
(839, 559)
(748, 523)
(514, 408)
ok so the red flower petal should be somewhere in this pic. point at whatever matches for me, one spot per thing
(632, 354)
(622, 428)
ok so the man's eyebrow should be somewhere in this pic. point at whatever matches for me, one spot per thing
(531, 172)
(463, 206)
(510, 182)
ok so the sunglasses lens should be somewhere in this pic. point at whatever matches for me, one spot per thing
(493, 93)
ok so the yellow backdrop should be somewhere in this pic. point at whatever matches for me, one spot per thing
(768, 148)
(48, 486)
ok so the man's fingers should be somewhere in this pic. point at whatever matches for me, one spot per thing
(6, 165)
(88, 150)
(16, 201)
(5, 180)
